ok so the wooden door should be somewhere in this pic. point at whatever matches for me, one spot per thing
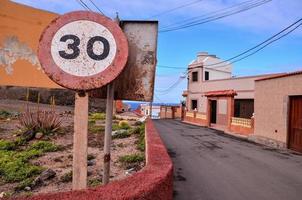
(295, 124)
(213, 111)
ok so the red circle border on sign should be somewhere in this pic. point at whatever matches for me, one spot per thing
(79, 83)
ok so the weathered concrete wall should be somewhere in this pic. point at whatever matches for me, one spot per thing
(61, 96)
(154, 182)
(272, 107)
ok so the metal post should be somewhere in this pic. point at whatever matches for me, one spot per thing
(151, 109)
(108, 130)
(80, 141)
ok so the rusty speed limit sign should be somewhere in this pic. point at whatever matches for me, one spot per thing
(83, 50)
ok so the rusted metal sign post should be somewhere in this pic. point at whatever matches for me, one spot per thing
(84, 51)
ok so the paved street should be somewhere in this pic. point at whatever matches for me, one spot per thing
(209, 165)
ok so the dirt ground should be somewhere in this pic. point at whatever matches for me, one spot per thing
(61, 161)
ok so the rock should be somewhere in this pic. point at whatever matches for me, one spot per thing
(39, 135)
(47, 174)
(130, 171)
(91, 162)
(58, 159)
(2, 194)
(89, 172)
(27, 188)
(121, 131)
(28, 135)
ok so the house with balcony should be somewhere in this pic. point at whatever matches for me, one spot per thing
(217, 99)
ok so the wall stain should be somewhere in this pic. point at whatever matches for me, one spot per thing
(12, 50)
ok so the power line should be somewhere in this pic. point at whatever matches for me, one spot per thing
(170, 67)
(269, 41)
(176, 8)
(91, 1)
(170, 88)
(208, 14)
(267, 44)
(238, 8)
(221, 15)
(84, 5)
(286, 31)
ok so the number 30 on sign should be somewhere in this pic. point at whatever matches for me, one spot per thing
(83, 50)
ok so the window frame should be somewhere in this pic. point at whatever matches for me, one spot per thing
(206, 75)
(193, 80)
(192, 104)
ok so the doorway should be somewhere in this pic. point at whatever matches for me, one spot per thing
(295, 124)
(213, 111)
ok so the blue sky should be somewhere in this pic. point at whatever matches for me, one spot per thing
(225, 37)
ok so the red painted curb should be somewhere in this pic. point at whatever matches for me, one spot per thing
(154, 182)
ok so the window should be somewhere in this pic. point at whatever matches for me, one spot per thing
(206, 75)
(193, 104)
(194, 76)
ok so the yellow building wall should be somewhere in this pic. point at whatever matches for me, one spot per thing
(26, 24)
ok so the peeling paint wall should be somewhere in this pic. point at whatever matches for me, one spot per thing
(20, 30)
(12, 50)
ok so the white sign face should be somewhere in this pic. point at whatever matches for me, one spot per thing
(83, 48)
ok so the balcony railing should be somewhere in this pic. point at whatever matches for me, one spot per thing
(248, 123)
(189, 114)
(201, 116)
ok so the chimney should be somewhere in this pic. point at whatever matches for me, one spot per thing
(201, 56)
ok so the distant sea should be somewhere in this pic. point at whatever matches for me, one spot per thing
(134, 104)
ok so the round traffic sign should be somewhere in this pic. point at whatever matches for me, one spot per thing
(83, 50)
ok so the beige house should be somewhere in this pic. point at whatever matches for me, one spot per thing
(266, 109)
(215, 98)
(278, 120)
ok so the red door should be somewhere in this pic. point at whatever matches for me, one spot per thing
(295, 124)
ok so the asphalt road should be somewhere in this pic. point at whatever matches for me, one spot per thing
(209, 165)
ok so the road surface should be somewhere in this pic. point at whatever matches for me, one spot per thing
(209, 165)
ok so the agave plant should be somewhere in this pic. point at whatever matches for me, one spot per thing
(46, 122)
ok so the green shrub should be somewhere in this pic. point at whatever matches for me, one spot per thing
(141, 145)
(67, 177)
(96, 129)
(141, 138)
(115, 127)
(124, 124)
(132, 158)
(97, 116)
(28, 154)
(44, 146)
(94, 182)
(15, 165)
(135, 131)
(4, 114)
(20, 141)
(25, 183)
(7, 145)
(15, 169)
